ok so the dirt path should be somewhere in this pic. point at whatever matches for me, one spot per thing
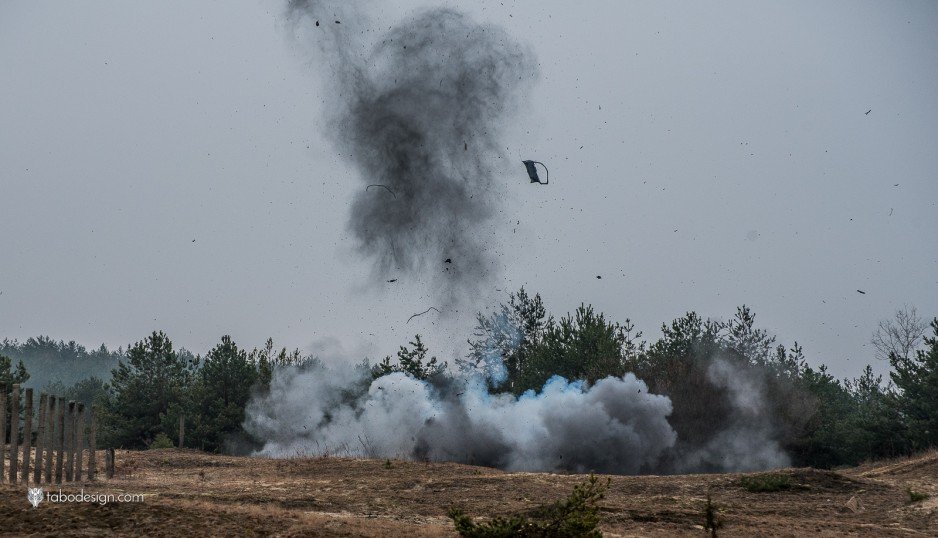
(189, 494)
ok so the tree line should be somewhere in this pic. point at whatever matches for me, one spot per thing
(819, 420)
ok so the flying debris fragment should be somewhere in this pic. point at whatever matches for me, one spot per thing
(532, 172)
(385, 187)
(422, 313)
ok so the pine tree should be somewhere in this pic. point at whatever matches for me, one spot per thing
(581, 346)
(411, 362)
(144, 390)
(917, 380)
(220, 394)
(10, 375)
(875, 425)
(507, 338)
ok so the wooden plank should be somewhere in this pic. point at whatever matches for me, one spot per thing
(3, 431)
(59, 438)
(27, 434)
(93, 443)
(50, 440)
(14, 432)
(40, 438)
(79, 439)
(70, 441)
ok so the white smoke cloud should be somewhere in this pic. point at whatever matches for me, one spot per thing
(613, 426)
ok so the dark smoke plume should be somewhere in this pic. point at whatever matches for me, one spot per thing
(421, 112)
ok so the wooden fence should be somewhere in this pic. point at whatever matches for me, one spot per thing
(59, 446)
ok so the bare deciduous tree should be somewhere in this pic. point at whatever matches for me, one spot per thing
(900, 335)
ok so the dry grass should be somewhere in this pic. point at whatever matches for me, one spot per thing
(193, 494)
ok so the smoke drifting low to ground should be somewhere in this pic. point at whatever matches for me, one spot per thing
(748, 440)
(420, 113)
(612, 426)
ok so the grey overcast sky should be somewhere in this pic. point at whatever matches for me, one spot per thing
(163, 165)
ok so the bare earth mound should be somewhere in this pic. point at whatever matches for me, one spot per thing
(188, 493)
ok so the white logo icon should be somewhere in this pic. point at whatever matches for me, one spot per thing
(34, 495)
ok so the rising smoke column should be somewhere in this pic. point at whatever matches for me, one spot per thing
(421, 112)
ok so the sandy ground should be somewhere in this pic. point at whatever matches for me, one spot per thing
(187, 493)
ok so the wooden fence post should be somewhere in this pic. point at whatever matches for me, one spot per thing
(50, 440)
(3, 431)
(40, 438)
(80, 441)
(14, 432)
(73, 435)
(59, 438)
(109, 463)
(70, 441)
(93, 443)
(27, 434)
(182, 430)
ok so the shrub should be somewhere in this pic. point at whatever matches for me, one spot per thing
(766, 482)
(161, 441)
(577, 515)
(916, 496)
